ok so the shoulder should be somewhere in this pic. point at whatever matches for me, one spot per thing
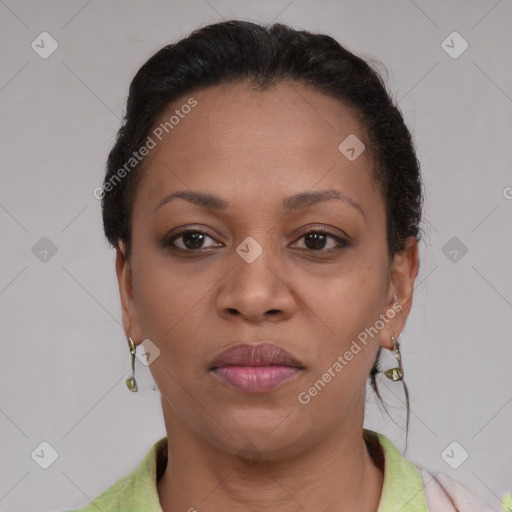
(444, 494)
(433, 491)
(135, 491)
(109, 500)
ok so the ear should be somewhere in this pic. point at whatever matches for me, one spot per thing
(404, 270)
(128, 307)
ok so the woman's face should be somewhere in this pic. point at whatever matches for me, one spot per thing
(256, 275)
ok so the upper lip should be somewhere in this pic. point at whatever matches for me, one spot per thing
(263, 354)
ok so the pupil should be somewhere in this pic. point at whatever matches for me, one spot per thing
(318, 240)
(195, 238)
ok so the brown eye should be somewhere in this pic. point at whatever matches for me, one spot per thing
(316, 241)
(191, 240)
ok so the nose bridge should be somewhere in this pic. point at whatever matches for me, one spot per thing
(254, 285)
(257, 258)
(255, 237)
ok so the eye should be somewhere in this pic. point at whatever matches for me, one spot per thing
(191, 240)
(315, 240)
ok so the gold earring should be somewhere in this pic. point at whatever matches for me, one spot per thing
(395, 374)
(131, 384)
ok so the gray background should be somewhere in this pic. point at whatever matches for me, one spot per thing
(64, 356)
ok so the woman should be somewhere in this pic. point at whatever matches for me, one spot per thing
(264, 199)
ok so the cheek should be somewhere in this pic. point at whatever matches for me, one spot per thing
(168, 304)
(347, 353)
(171, 311)
(353, 301)
(349, 307)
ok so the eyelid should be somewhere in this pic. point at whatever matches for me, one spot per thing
(327, 230)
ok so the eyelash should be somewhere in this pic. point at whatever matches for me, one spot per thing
(342, 243)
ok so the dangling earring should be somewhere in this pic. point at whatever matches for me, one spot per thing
(131, 384)
(395, 374)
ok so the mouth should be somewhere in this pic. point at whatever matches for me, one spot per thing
(255, 368)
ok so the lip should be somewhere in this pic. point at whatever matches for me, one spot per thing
(255, 368)
(263, 354)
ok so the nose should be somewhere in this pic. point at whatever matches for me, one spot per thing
(256, 289)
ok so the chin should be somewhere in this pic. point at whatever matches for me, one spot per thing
(271, 431)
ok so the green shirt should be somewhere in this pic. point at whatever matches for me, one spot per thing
(137, 492)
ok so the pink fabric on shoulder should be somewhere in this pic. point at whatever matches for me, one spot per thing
(444, 494)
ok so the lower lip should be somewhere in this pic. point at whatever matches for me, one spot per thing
(255, 379)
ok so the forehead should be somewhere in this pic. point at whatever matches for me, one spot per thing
(239, 141)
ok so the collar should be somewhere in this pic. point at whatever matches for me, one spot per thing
(402, 487)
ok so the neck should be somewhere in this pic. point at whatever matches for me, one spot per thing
(338, 474)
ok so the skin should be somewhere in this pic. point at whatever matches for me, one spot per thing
(234, 451)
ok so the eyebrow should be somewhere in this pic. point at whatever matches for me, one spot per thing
(292, 203)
